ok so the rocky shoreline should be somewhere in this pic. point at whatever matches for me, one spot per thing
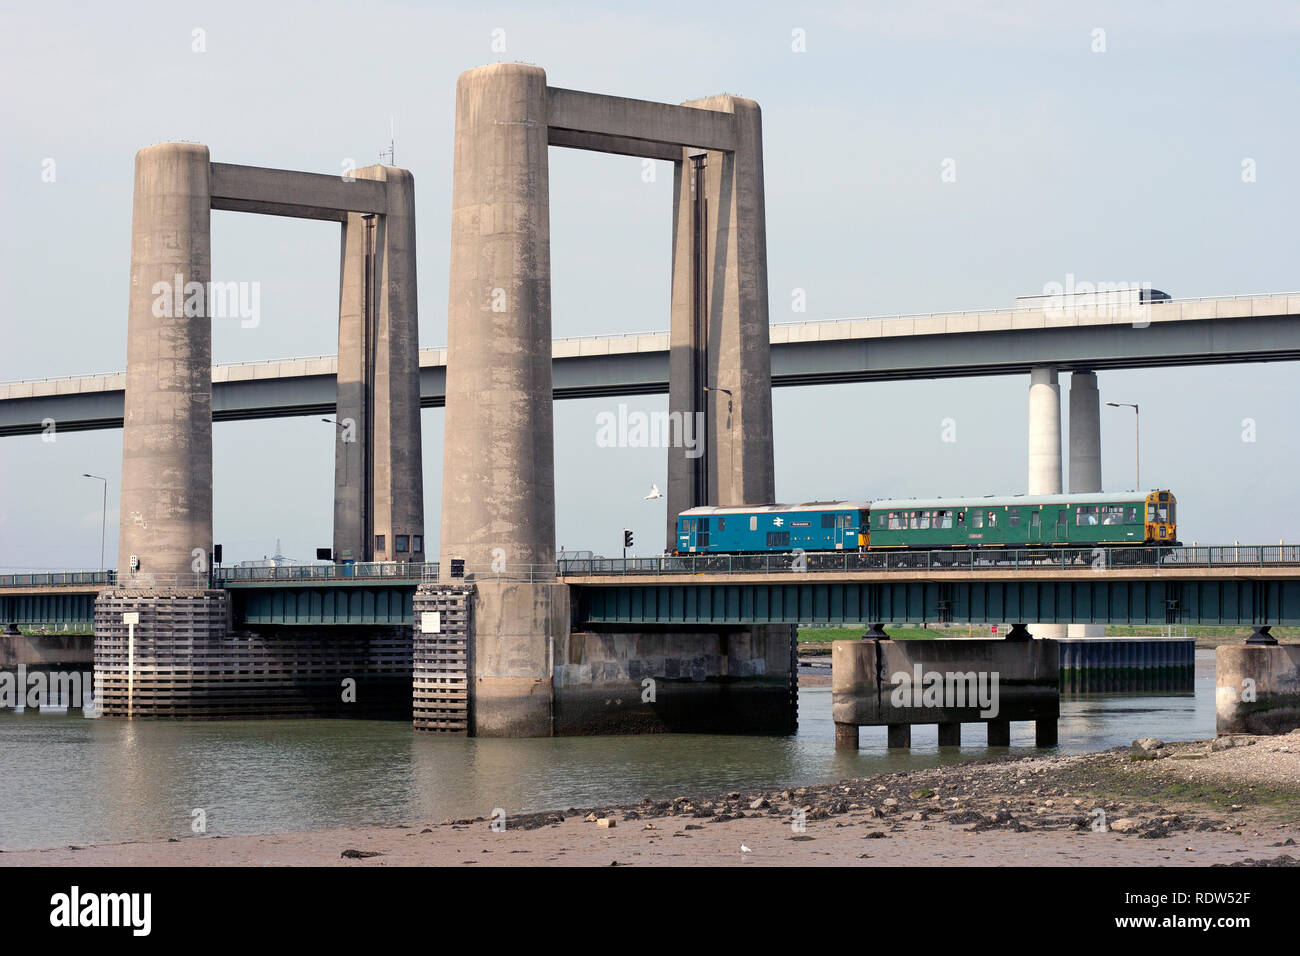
(1235, 801)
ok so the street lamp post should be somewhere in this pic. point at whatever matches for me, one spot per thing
(103, 520)
(1137, 442)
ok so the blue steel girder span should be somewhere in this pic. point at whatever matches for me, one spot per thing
(1235, 602)
(1231, 601)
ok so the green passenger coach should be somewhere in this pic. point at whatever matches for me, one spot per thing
(1060, 521)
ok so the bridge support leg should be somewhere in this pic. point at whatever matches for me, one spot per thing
(1085, 457)
(719, 329)
(1045, 732)
(167, 425)
(1045, 453)
(378, 473)
(498, 489)
(950, 735)
(846, 736)
(900, 736)
(999, 733)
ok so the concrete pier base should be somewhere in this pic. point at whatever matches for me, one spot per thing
(517, 626)
(733, 680)
(1257, 688)
(846, 736)
(899, 736)
(185, 662)
(946, 682)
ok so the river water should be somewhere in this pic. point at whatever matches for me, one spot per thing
(69, 780)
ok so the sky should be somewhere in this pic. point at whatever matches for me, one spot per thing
(1107, 141)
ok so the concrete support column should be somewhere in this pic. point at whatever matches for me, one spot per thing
(950, 735)
(499, 452)
(846, 736)
(1085, 457)
(719, 329)
(1085, 433)
(166, 510)
(1044, 432)
(899, 736)
(1045, 454)
(378, 472)
(498, 489)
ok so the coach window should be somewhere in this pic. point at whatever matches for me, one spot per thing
(925, 520)
(1013, 518)
(961, 518)
(978, 521)
(753, 522)
(1035, 518)
(993, 519)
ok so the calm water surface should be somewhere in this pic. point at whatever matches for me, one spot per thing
(65, 779)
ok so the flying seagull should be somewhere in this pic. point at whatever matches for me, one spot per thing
(654, 493)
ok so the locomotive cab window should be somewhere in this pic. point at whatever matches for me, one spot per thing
(722, 523)
(828, 521)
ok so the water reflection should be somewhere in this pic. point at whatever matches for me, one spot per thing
(65, 779)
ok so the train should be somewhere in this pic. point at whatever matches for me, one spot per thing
(934, 524)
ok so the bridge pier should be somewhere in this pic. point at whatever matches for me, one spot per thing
(719, 367)
(166, 505)
(1045, 455)
(945, 682)
(1257, 688)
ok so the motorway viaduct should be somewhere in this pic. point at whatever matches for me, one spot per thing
(1203, 331)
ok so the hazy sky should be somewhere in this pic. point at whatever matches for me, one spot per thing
(1122, 165)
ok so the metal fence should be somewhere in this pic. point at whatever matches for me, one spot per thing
(1101, 559)
(982, 559)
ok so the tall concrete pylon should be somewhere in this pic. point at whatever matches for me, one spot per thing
(166, 505)
(498, 508)
(167, 425)
(378, 468)
(720, 370)
(1044, 432)
(1045, 454)
(498, 488)
(1085, 457)
(1085, 433)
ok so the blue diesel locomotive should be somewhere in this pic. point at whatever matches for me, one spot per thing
(815, 526)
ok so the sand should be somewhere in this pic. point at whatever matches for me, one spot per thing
(1190, 805)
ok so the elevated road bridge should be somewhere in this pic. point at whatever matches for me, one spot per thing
(1197, 331)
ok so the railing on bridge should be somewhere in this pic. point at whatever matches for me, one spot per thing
(1101, 559)
(45, 579)
(983, 559)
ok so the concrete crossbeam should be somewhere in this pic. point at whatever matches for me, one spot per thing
(620, 118)
(284, 192)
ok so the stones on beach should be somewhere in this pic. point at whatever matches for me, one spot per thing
(359, 854)
(759, 804)
(1123, 825)
(607, 823)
